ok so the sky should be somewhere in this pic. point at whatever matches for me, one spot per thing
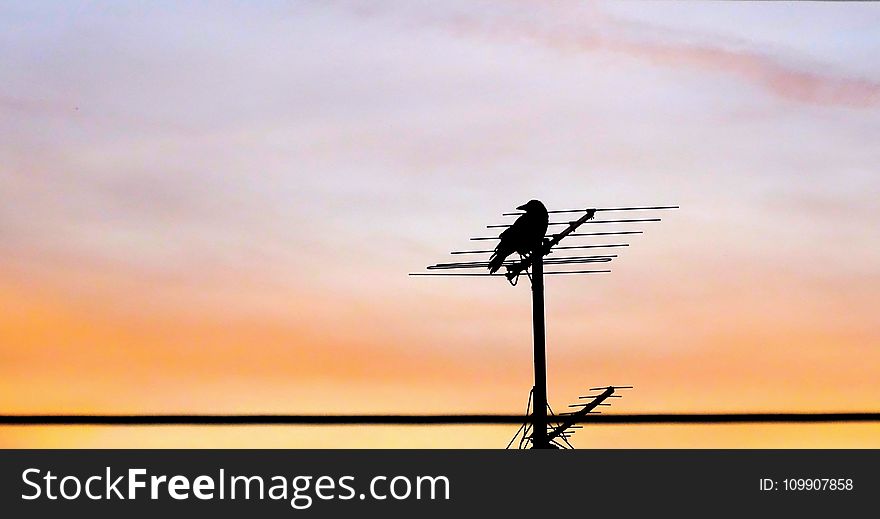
(212, 207)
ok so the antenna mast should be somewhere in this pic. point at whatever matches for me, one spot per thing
(539, 414)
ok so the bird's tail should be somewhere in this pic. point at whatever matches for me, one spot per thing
(496, 261)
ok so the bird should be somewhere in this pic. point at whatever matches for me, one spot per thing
(523, 237)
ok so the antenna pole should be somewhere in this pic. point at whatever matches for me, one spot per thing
(539, 402)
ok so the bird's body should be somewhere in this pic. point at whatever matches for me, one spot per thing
(524, 236)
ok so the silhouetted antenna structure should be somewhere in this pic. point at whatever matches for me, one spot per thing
(606, 246)
(632, 220)
(523, 436)
(544, 429)
(593, 401)
(602, 209)
(561, 427)
(615, 233)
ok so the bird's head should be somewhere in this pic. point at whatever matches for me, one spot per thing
(533, 206)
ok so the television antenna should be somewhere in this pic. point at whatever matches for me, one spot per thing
(540, 431)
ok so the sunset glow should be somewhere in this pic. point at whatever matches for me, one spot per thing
(213, 208)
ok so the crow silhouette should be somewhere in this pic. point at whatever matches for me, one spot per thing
(524, 236)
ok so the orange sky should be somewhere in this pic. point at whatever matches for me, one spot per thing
(222, 220)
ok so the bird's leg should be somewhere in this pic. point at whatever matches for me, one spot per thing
(528, 270)
(522, 258)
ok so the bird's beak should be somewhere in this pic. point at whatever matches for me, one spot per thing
(522, 207)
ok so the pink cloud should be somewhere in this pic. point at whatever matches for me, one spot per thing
(590, 30)
(764, 71)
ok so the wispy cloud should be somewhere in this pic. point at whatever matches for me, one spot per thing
(591, 30)
(762, 70)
